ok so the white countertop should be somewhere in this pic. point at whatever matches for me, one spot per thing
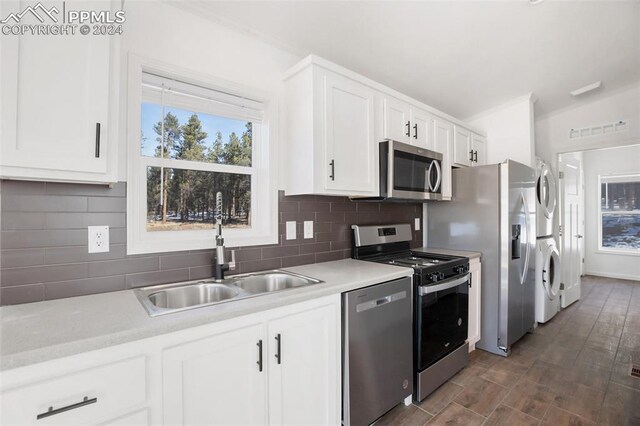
(42, 331)
(463, 253)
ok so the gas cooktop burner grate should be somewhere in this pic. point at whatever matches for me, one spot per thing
(415, 262)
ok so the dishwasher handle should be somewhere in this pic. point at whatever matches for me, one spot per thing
(428, 289)
(381, 301)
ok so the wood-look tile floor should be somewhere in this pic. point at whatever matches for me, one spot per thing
(573, 370)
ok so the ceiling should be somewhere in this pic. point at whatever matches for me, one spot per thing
(460, 57)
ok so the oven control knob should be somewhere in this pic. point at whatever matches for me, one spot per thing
(433, 277)
(461, 269)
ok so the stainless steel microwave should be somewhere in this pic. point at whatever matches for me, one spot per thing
(409, 173)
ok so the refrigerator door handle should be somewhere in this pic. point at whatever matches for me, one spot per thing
(527, 227)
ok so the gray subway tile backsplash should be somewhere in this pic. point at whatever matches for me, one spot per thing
(23, 257)
(44, 240)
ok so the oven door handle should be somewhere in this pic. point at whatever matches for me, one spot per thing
(445, 285)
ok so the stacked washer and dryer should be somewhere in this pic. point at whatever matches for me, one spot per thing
(547, 255)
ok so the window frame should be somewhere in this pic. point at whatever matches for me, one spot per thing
(601, 213)
(264, 223)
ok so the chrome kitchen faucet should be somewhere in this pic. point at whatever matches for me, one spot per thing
(221, 267)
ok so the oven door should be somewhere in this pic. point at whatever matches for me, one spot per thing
(413, 173)
(441, 319)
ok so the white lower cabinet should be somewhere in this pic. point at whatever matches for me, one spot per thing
(138, 418)
(278, 367)
(474, 333)
(216, 380)
(90, 396)
(284, 370)
(304, 368)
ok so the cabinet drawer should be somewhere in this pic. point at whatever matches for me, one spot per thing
(85, 397)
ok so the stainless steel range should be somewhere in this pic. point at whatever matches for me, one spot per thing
(441, 289)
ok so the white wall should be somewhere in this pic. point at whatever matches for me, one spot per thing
(616, 160)
(160, 31)
(552, 131)
(510, 131)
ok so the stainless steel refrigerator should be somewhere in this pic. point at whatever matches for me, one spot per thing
(492, 211)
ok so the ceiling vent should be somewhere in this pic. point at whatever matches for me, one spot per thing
(603, 129)
(635, 371)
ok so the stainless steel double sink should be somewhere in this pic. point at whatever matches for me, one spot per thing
(169, 298)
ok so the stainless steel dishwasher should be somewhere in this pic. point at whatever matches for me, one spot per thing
(377, 355)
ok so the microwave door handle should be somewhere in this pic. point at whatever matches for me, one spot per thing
(434, 188)
(428, 180)
(439, 178)
(445, 285)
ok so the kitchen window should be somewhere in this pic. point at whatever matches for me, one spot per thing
(619, 213)
(195, 139)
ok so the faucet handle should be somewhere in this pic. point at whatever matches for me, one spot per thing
(232, 264)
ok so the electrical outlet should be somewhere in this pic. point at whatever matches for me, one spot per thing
(417, 221)
(308, 229)
(98, 239)
(291, 230)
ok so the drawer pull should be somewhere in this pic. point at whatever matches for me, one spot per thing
(52, 412)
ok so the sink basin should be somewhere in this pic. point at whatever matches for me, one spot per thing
(169, 298)
(267, 282)
(192, 295)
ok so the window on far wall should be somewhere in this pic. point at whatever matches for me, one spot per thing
(195, 142)
(620, 213)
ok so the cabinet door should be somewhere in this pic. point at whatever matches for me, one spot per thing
(351, 151)
(442, 141)
(304, 357)
(474, 303)
(216, 380)
(479, 145)
(55, 97)
(78, 398)
(421, 134)
(461, 146)
(397, 122)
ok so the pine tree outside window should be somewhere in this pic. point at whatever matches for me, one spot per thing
(195, 141)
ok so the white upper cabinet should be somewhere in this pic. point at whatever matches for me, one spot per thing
(443, 140)
(421, 129)
(462, 152)
(479, 146)
(335, 121)
(330, 147)
(349, 136)
(397, 124)
(406, 123)
(59, 102)
(469, 148)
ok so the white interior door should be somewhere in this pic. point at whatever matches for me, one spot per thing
(570, 229)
